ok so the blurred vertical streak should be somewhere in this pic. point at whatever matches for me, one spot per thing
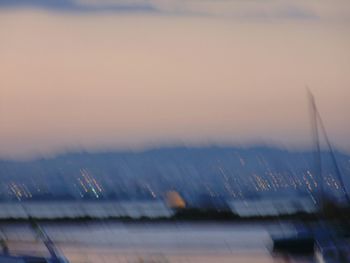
(317, 151)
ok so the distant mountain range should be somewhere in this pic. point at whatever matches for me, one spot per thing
(197, 173)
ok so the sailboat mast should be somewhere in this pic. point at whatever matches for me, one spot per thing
(317, 151)
(315, 120)
(334, 160)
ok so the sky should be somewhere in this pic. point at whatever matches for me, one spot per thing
(121, 74)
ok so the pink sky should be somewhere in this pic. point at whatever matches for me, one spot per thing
(106, 80)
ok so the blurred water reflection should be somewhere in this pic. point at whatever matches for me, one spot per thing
(109, 242)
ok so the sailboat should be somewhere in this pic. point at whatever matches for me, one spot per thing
(54, 254)
(321, 240)
(330, 245)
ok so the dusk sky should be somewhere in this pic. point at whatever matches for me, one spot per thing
(109, 74)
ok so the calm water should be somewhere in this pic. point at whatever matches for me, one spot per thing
(110, 242)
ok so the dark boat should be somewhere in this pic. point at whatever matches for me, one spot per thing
(301, 243)
(11, 258)
(328, 251)
(28, 259)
